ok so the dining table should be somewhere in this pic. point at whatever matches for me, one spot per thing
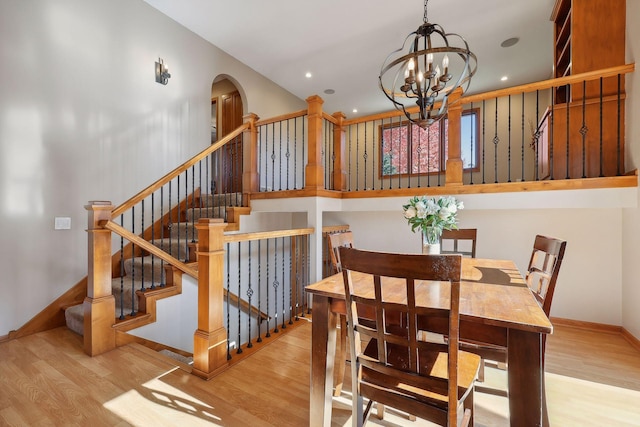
(496, 307)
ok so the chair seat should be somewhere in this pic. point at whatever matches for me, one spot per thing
(433, 365)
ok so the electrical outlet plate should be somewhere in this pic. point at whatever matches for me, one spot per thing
(62, 223)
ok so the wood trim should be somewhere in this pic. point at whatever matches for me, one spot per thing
(550, 83)
(154, 250)
(260, 235)
(598, 327)
(329, 118)
(589, 326)
(177, 171)
(281, 118)
(53, 315)
(635, 342)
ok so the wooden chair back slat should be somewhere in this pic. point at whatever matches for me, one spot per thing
(391, 364)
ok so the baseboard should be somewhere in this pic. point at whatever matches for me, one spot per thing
(598, 327)
(635, 342)
(591, 326)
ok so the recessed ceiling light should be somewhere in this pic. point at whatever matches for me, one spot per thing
(504, 78)
(510, 42)
(355, 110)
(329, 91)
(308, 75)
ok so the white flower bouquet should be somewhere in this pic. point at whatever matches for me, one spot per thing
(431, 215)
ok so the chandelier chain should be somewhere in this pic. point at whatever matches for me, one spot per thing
(425, 19)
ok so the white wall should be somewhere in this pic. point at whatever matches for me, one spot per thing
(82, 118)
(631, 217)
(589, 285)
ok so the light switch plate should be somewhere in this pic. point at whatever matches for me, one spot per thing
(62, 223)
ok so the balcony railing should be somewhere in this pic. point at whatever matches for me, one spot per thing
(560, 129)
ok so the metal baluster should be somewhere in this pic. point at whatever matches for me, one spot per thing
(284, 308)
(178, 216)
(496, 141)
(472, 161)
(276, 284)
(186, 205)
(249, 295)
(303, 144)
(280, 158)
(193, 207)
(618, 135)
(483, 141)
(162, 282)
(536, 136)
(273, 156)
(551, 137)
(227, 299)
(288, 153)
(268, 334)
(357, 156)
(239, 345)
(567, 176)
(400, 142)
(601, 141)
(365, 156)
(522, 133)
(153, 240)
(296, 259)
(258, 318)
(349, 168)
(122, 273)
(133, 265)
(295, 153)
(142, 251)
(373, 155)
(508, 142)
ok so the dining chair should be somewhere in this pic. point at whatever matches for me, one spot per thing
(463, 241)
(334, 241)
(434, 381)
(541, 277)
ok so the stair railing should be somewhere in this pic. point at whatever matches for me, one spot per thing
(159, 232)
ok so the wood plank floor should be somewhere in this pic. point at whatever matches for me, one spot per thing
(593, 379)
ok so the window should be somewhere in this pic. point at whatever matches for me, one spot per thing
(406, 148)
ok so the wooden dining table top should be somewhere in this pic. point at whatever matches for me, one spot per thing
(492, 292)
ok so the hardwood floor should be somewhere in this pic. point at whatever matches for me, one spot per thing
(593, 379)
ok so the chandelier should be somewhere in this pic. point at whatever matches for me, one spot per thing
(422, 72)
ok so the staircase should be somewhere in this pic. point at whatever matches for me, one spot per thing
(147, 271)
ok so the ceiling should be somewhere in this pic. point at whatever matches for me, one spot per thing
(344, 43)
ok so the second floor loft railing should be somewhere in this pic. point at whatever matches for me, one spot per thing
(559, 129)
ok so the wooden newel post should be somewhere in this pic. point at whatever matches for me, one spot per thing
(250, 177)
(210, 339)
(339, 150)
(100, 304)
(453, 175)
(314, 171)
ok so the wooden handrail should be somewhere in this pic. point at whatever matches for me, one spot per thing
(281, 118)
(261, 235)
(546, 84)
(529, 87)
(177, 171)
(154, 250)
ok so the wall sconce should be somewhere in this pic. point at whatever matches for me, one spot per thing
(162, 72)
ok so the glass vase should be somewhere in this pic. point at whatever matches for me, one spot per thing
(431, 240)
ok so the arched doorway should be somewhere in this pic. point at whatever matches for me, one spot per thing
(226, 115)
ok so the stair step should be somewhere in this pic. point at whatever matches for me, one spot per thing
(122, 292)
(194, 214)
(173, 247)
(184, 231)
(148, 268)
(228, 199)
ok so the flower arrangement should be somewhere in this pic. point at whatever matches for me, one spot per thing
(431, 215)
